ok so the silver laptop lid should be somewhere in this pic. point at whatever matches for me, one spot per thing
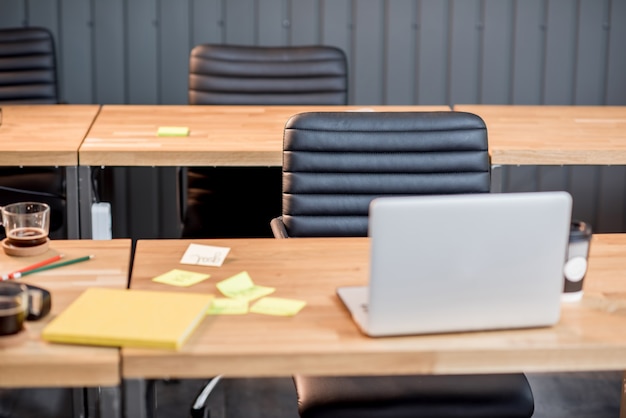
(466, 262)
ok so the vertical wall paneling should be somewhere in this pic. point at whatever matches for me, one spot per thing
(305, 22)
(336, 29)
(168, 203)
(465, 51)
(12, 13)
(497, 42)
(611, 199)
(433, 64)
(520, 179)
(240, 22)
(400, 52)
(561, 40)
(550, 177)
(528, 52)
(583, 186)
(207, 22)
(43, 13)
(76, 53)
(591, 53)
(142, 59)
(174, 38)
(272, 22)
(368, 54)
(616, 74)
(144, 189)
(109, 51)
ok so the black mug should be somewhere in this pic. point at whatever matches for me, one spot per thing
(576, 260)
(20, 302)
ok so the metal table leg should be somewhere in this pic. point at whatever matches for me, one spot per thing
(86, 194)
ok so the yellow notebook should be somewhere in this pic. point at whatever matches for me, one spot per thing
(129, 318)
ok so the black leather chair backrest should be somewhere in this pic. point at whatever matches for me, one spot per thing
(335, 163)
(254, 75)
(27, 66)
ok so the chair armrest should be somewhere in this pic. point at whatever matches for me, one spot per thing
(278, 228)
(199, 406)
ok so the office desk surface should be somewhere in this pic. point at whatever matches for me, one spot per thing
(43, 135)
(28, 361)
(554, 135)
(219, 135)
(322, 339)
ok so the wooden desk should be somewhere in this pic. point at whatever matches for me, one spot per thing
(28, 361)
(323, 340)
(47, 135)
(219, 135)
(554, 135)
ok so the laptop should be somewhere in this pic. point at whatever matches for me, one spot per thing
(463, 263)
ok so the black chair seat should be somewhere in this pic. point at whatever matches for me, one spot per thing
(432, 396)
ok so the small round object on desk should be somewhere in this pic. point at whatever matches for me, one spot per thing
(10, 249)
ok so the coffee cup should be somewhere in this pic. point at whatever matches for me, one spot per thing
(20, 302)
(575, 267)
(26, 225)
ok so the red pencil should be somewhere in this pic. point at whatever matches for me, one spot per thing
(31, 267)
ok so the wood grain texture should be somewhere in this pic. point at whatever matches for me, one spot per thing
(322, 339)
(219, 135)
(554, 135)
(43, 135)
(35, 363)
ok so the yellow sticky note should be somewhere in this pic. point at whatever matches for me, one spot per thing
(240, 286)
(277, 306)
(181, 278)
(173, 131)
(226, 306)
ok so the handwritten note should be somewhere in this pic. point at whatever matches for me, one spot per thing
(277, 306)
(241, 286)
(227, 306)
(181, 278)
(204, 255)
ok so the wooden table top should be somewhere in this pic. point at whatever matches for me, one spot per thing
(28, 361)
(126, 135)
(554, 135)
(43, 135)
(322, 338)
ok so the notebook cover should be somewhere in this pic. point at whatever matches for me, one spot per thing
(129, 318)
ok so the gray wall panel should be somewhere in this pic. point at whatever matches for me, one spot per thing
(433, 64)
(465, 51)
(562, 25)
(142, 65)
(240, 21)
(12, 13)
(109, 51)
(273, 25)
(304, 18)
(400, 48)
(43, 13)
(207, 24)
(611, 199)
(497, 42)
(76, 54)
(336, 30)
(368, 54)
(175, 45)
(591, 52)
(616, 76)
(528, 52)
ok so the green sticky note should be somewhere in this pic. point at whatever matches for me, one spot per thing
(226, 306)
(278, 306)
(173, 131)
(181, 278)
(240, 286)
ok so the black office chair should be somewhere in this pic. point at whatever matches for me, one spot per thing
(334, 164)
(28, 76)
(250, 75)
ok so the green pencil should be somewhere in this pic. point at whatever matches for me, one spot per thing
(55, 265)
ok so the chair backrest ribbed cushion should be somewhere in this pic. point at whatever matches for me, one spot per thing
(335, 163)
(27, 66)
(243, 75)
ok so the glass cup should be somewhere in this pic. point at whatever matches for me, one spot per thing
(20, 302)
(26, 224)
(576, 260)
